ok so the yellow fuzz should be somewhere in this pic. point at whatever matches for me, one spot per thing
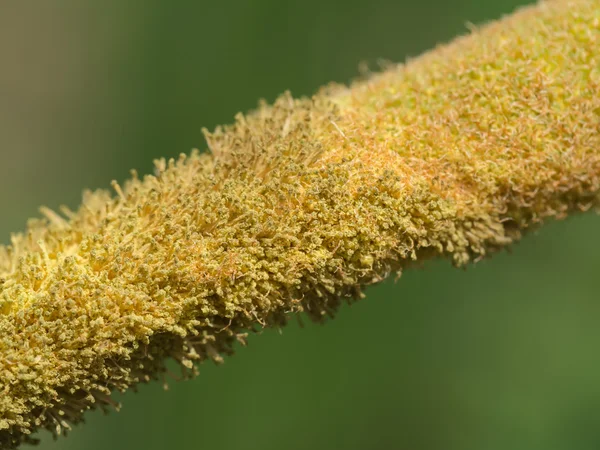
(298, 207)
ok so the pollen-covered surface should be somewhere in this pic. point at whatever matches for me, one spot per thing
(299, 206)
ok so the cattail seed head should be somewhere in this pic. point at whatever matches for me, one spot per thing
(298, 207)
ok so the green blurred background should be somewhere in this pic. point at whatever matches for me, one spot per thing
(500, 356)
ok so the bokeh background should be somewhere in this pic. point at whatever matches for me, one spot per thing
(500, 356)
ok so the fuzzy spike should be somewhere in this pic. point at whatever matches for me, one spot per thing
(301, 205)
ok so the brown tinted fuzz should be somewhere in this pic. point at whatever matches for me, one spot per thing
(299, 206)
